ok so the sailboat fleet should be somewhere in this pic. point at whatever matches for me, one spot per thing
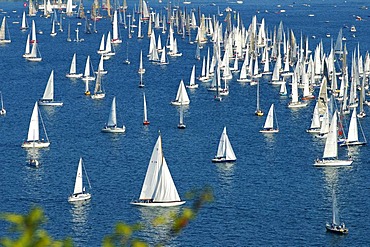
(302, 69)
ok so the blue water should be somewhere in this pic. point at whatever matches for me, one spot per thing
(272, 195)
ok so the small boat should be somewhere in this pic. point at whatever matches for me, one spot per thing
(352, 137)
(353, 29)
(88, 76)
(181, 124)
(35, 55)
(330, 156)
(79, 193)
(111, 126)
(335, 226)
(141, 68)
(4, 33)
(2, 110)
(225, 152)
(98, 91)
(182, 97)
(258, 111)
(53, 32)
(269, 123)
(158, 189)
(192, 84)
(72, 71)
(145, 116)
(24, 25)
(33, 137)
(48, 97)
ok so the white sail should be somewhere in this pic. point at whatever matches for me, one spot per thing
(158, 184)
(182, 97)
(33, 130)
(72, 69)
(269, 123)
(225, 151)
(315, 123)
(353, 129)
(24, 24)
(331, 146)
(115, 37)
(78, 189)
(112, 119)
(49, 90)
(33, 37)
(145, 118)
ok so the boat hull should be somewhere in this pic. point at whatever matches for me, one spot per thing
(297, 104)
(336, 229)
(113, 130)
(221, 160)
(73, 75)
(269, 131)
(79, 197)
(157, 204)
(98, 96)
(356, 143)
(36, 144)
(332, 163)
(177, 103)
(50, 103)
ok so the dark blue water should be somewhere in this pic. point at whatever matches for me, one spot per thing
(272, 195)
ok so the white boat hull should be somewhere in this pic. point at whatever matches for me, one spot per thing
(50, 103)
(34, 59)
(157, 204)
(332, 163)
(73, 75)
(37, 144)
(176, 103)
(297, 104)
(113, 129)
(79, 197)
(98, 96)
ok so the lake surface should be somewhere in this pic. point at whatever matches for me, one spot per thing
(272, 195)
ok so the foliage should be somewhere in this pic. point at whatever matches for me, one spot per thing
(30, 234)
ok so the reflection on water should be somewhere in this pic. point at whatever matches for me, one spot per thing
(50, 110)
(226, 172)
(80, 212)
(157, 222)
(331, 178)
(269, 137)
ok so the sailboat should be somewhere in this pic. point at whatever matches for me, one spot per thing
(158, 189)
(33, 137)
(35, 55)
(72, 71)
(258, 111)
(335, 226)
(48, 97)
(69, 33)
(315, 122)
(181, 124)
(87, 76)
(269, 123)
(4, 33)
(330, 156)
(79, 193)
(225, 152)
(127, 61)
(2, 110)
(27, 51)
(111, 126)
(101, 66)
(192, 84)
(24, 24)
(182, 97)
(115, 38)
(141, 68)
(145, 117)
(98, 91)
(352, 139)
(53, 32)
